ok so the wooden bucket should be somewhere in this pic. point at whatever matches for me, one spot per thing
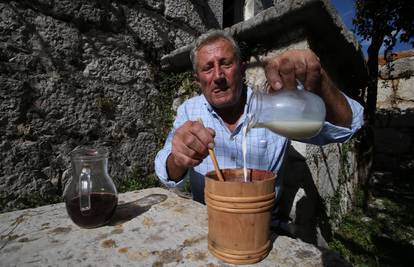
(239, 215)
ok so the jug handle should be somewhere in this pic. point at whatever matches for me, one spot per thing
(85, 190)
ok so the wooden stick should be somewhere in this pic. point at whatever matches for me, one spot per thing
(214, 159)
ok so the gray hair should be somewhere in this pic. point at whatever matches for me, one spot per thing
(210, 36)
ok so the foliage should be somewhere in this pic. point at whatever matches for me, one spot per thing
(345, 171)
(106, 106)
(187, 186)
(392, 19)
(169, 84)
(137, 182)
(382, 22)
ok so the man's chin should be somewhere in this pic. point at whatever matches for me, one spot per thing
(222, 103)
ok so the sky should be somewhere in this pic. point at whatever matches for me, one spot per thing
(346, 10)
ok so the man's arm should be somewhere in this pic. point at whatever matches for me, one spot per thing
(338, 111)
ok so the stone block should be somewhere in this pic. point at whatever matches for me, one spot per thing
(198, 15)
(398, 69)
(396, 94)
(156, 27)
(385, 94)
(406, 93)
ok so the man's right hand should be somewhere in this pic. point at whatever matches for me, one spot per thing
(190, 146)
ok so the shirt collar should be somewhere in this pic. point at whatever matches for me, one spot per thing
(242, 118)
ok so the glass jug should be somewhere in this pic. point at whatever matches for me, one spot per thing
(295, 114)
(91, 196)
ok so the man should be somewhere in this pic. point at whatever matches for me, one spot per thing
(219, 72)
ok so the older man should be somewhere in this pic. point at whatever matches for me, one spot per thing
(219, 72)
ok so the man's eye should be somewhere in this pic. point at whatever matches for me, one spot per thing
(207, 69)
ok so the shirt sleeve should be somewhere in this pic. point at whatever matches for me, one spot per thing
(336, 134)
(162, 155)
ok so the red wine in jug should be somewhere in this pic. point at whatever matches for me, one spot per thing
(102, 208)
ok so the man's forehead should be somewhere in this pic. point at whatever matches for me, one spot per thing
(214, 46)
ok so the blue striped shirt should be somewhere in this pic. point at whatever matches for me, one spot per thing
(265, 149)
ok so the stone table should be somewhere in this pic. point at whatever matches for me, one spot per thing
(151, 227)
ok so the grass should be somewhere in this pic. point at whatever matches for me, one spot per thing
(137, 182)
(383, 234)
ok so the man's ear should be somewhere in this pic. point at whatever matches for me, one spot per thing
(243, 67)
(196, 80)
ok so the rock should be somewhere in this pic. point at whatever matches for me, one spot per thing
(400, 68)
(150, 227)
(76, 72)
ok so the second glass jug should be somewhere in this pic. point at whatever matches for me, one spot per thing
(295, 114)
(91, 196)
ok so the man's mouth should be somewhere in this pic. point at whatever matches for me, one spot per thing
(220, 89)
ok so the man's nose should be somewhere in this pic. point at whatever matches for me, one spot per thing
(218, 73)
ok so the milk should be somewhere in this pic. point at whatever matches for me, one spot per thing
(244, 150)
(291, 129)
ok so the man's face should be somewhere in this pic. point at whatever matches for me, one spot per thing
(219, 73)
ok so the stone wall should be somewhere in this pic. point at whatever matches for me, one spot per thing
(78, 72)
(394, 131)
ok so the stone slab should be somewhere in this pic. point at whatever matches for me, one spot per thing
(151, 227)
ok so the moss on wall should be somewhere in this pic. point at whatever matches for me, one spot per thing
(346, 171)
(170, 86)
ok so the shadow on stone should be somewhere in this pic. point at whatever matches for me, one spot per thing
(301, 210)
(127, 211)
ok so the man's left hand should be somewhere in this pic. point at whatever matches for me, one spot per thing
(284, 69)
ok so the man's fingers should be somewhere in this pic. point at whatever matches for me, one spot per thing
(191, 142)
(182, 159)
(187, 146)
(287, 72)
(213, 134)
(205, 135)
(272, 74)
(313, 75)
(292, 65)
(301, 70)
(196, 148)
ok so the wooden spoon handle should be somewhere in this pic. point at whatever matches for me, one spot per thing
(214, 159)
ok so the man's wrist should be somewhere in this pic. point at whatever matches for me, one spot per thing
(174, 171)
